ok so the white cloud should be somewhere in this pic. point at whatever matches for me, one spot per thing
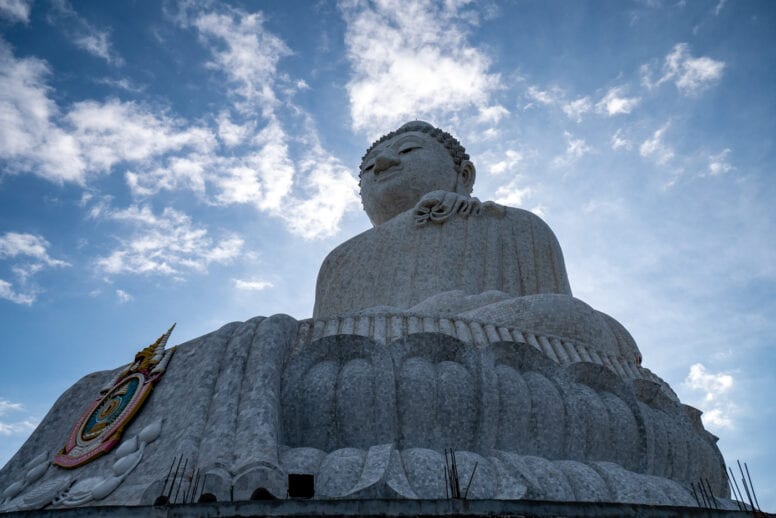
(263, 178)
(511, 158)
(251, 285)
(92, 138)
(575, 109)
(166, 153)
(690, 75)
(8, 406)
(167, 244)
(546, 97)
(113, 132)
(718, 8)
(719, 164)
(717, 418)
(713, 385)
(123, 83)
(123, 296)
(20, 427)
(328, 188)
(576, 148)
(246, 52)
(310, 193)
(412, 60)
(83, 34)
(655, 149)
(7, 292)
(29, 139)
(718, 409)
(618, 141)
(613, 103)
(511, 194)
(13, 244)
(15, 10)
(32, 250)
(232, 134)
(492, 114)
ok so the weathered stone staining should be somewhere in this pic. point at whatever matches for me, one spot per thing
(450, 324)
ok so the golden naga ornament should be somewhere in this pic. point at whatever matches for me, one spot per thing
(99, 429)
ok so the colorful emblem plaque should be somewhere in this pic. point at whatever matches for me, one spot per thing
(99, 429)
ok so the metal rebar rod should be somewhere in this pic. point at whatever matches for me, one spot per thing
(172, 483)
(449, 473)
(751, 485)
(711, 493)
(198, 487)
(731, 482)
(447, 480)
(190, 487)
(180, 483)
(740, 496)
(706, 496)
(164, 486)
(695, 494)
(743, 481)
(456, 476)
(470, 481)
(703, 495)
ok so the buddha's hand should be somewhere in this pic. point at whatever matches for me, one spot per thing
(438, 206)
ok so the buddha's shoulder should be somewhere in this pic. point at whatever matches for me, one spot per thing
(403, 227)
(517, 217)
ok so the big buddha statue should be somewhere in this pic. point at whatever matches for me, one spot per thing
(448, 325)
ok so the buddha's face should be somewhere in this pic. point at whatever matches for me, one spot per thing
(398, 172)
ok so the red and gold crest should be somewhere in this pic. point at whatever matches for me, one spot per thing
(99, 429)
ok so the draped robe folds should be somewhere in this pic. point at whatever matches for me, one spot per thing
(399, 264)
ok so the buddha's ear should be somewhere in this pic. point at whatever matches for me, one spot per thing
(466, 175)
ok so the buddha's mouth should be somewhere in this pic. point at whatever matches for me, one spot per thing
(387, 174)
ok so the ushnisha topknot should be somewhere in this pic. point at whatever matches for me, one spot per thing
(450, 143)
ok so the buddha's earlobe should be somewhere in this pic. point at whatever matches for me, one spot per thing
(466, 175)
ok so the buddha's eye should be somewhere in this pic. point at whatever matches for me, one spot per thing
(370, 167)
(408, 149)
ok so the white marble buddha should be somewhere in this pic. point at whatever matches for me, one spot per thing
(435, 250)
(450, 324)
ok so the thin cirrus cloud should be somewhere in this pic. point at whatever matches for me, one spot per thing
(656, 149)
(251, 284)
(719, 163)
(165, 244)
(576, 148)
(612, 103)
(309, 191)
(422, 65)
(83, 34)
(691, 75)
(249, 57)
(27, 254)
(123, 296)
(7, 427)
(16, 11)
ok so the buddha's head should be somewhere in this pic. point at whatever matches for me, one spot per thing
(402, 166)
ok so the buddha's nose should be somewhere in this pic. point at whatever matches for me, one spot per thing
(385, 161)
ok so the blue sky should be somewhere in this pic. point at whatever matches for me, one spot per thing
(191, 162)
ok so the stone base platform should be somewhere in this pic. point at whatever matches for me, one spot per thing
(389, 508)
